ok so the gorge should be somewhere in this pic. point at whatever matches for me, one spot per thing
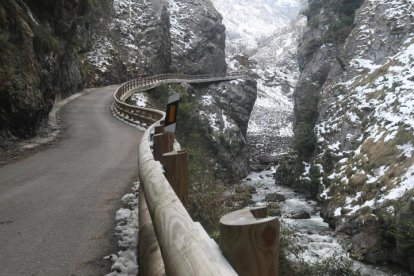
(325, 117)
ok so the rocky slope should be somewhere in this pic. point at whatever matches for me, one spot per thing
(227, 107)
(250, 23)
(263, 37)
(356, 92)
(212, 124)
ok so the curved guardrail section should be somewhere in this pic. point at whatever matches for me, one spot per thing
(186, 248)
(148, 116)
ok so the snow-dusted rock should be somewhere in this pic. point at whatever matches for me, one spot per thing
(365, 126)
(197, 37)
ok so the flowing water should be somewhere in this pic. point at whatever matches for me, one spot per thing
(315, 236)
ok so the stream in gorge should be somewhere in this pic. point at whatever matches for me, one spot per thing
(314, 235)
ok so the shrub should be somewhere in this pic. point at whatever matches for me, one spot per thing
(43, 40)
(327, 161)
(336, 265)
(312, 46)
(379, 154)
(304, 140)
(357, 181)
(289, 246)
(314, 184)
(313, 9)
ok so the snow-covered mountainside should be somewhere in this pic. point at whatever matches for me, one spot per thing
(364, 159)
(379, 105)
(267, 31)
(249, 22)
(277, 67)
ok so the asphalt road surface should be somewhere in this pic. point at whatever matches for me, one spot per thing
(57, 207)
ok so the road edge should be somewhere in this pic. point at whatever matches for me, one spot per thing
(23, 148)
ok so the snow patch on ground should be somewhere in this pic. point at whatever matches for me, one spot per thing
(407, 149)
(139, 99)
(406, 185)
(207, 100)
(125, 261)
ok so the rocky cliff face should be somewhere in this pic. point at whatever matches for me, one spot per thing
(135, 38)
(226, 107)
(212, 125)
(197, 37)
(41, 47)
(354, 127)
(158, 36)
(262, 36)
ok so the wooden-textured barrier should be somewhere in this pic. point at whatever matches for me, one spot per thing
(176, 171)
(148, 116)
(184, 246)
(149, 258)
(163, 143)
(249, 239)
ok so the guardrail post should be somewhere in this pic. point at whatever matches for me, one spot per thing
(249, 240)
(163, 143)
(176, 172)
(158, 129)
(150, 259)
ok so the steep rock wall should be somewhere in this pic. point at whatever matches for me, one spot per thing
(354, 128)
(41, 43)
(226, 108)
(197, 37)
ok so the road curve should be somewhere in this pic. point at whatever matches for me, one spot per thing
(57, 206)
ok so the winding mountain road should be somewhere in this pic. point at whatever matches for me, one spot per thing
(57, 206)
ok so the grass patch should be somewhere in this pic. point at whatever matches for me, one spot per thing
(336, 265)
(379, 72)
(356, 182)
(404, 136)
(379, 154)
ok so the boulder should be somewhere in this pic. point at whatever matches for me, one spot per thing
(275, 197)
(365, 243)
(274, 209)
(245, 189)
(300, 215)
(268, 159)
